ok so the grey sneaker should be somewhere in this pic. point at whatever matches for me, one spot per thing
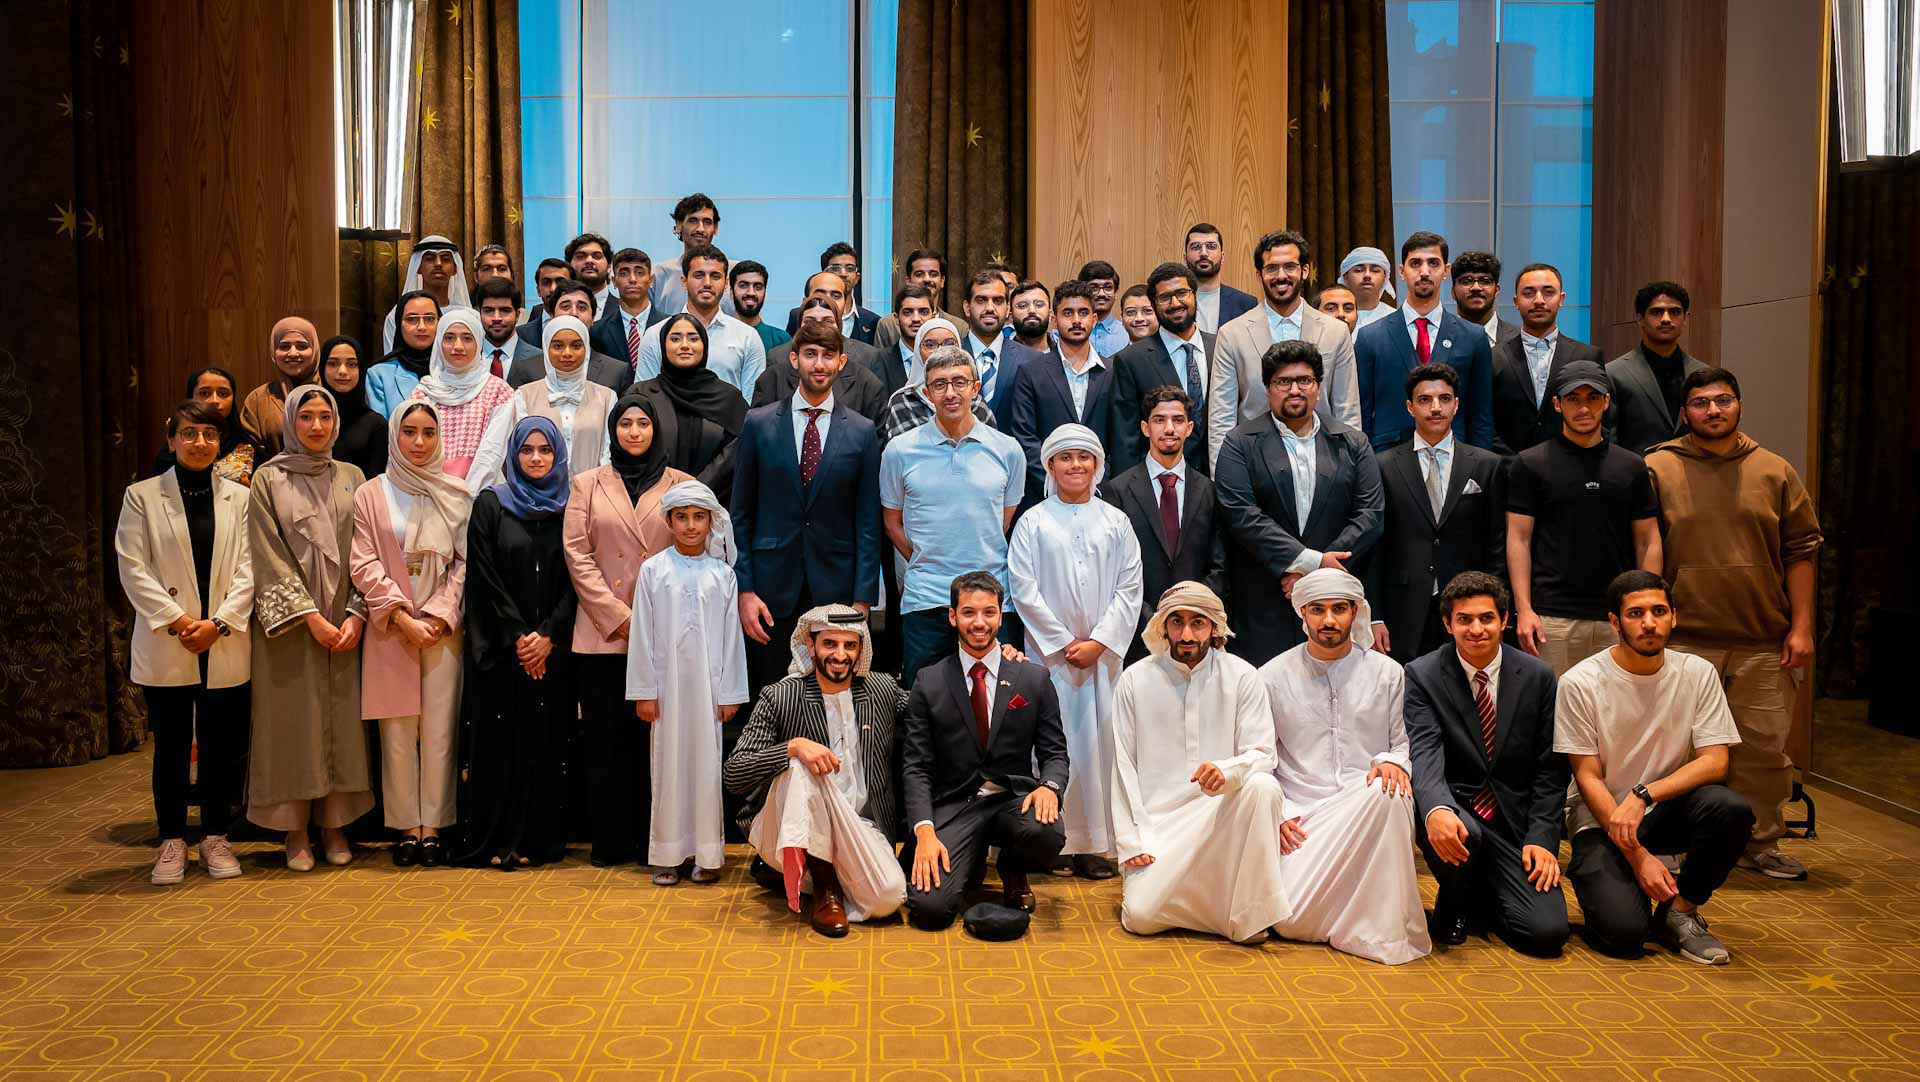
(171, 867)
(217, 857)
(1686, 934)
(1775, 864)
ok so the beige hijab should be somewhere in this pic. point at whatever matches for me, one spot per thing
(309, 512)
(441, 529)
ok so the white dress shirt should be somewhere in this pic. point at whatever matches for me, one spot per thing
(1179, 472)
(1176, 352)
(1303, 456)
(987, 368)
(1368, 315)
(1078, 379)
(800, 408)
(1433, 327)
(1539, 354)
(1426, 453)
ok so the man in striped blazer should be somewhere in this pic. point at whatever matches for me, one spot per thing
(815, 766)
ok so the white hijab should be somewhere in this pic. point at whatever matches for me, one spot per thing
(564, 389)
(443, 385)
(918, 375)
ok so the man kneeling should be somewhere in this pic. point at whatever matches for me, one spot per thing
(1196, 809)
(815, 764)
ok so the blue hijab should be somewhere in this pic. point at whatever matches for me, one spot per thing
(522, 496)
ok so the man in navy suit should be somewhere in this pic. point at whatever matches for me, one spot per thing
(1423, 332)
(619, 329)
(859, 323)
(1070, 386)
(806, 506)
(1179, 355)
(996, 358)
(1488, 786)
(1215, 303)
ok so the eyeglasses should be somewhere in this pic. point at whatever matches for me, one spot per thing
(1293, 381)
(1471, 280)
(1174, 295)
(1724, 401)
(419, 321)
(942, 386)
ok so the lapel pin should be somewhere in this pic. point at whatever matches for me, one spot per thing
(1446, 343)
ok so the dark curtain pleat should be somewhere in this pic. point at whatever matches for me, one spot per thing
(467, 164)
(1869, 447)
(370, 273)
(1339, 165)
(68, 386)
(960, 135)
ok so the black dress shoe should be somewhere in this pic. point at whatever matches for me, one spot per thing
(433, 854)
(1448, 927)
(407, 853)
(768, 876)
(1088, 866)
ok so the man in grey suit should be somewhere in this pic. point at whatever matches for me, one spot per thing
(1524, 367)
(1647, 380)
(1285, 263)
(1476, 296)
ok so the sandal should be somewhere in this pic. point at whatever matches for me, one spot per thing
(666, 877)
(705, 875)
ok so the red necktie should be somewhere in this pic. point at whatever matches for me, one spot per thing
(499, 355)
(633, 339)
(810, 447)
(981, 704)
(1483, 803)
(1170, 511)
(1424, 347)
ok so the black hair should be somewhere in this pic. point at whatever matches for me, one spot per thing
(919, 254)
(193, 411)
(1295, 351)
(1098, 269)
(747, 266)
(1707, 377)
(494, 249)
(1643, 297)
(496, 289)
(1277, 238)
(704, 251)
(1421, 238)
(1165, 272)
(690, 203)
(818, 332)
(810, 302)
(631, 255)
(1204, 227)
(916, 290)
(839, 247)
(1633, 582)
(1162, 394)
(983, 277)
(1479, 263)
(556, 264)
(1137, 290)
(1028, 285)
(1559, 282)
(572, 285)
(1475, 584)
(587, 238)
(975, 582)
(1073, 287)
(1437, 370)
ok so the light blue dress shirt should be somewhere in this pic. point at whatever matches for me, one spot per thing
(1109, 336)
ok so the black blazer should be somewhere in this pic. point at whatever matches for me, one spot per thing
(610, 338)
(941, 764)
(1253, 484)
(601, 369)
(1202, 556)
(825, 536)
(1450, 764)
(863, 324)
(856, 385)
(1637, 417)
(1519, 422)
(1234, 303)
(794, 707)
(1415, 551)
(1041, 402)
(1140, 368)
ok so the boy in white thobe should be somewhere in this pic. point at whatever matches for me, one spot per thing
(1196, 809)
(687, 675)
(1344, 762)
(1074, 563)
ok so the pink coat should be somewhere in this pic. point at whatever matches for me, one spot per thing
(607, 537)
(389, 664)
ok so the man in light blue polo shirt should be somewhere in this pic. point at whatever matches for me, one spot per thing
(948, 491)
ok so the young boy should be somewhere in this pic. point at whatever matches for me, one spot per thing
(687, 675)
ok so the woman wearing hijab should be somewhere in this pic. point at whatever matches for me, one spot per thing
(434, 268)
(392, 381)
(182, 543)
(614, 523)
(908, 408)
(309, 756)
(295, 347)
(409, 564)
(462, 389)
(519, 704)
(699, 414)
(363, 432)
(576, 405)
(239, 453)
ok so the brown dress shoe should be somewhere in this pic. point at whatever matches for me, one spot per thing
(829, 915)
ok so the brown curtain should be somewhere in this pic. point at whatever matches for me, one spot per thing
(960, 135)
(467, 148)
(370, 273)
(1869, 445)
(68, 385)
(1339, 169)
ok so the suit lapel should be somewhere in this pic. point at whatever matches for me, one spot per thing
(789, 457)
(1324, 469)
(1145, 491)
(1002, 693)
(227, 524)
(1055, 371)
(1465, 709)
(1279, 469)
(836, 435)
(613, 492)
(1409, 466)
(1503, 709)
(1456, 483)
(1194, 504)
(963, 698)
(177, 524)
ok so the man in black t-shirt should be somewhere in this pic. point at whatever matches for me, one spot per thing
(1580, 510)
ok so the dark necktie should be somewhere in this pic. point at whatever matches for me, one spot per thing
(499, 359)
(982, 706)
(633, 339)
(1170, 511)
(1194, 390)
(1483, 802)
(810, 447)
(1424, 347)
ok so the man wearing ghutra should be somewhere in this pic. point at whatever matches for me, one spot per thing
(815, 766)
(436, 267)
(1344, 762)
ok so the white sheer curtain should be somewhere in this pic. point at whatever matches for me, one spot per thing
(374, 79)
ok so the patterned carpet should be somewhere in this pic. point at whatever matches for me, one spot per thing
(575, 972)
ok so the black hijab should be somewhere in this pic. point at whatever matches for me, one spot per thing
(232, 432)
(413, 360)
(642, 471)
(697, 391)
(352, 403)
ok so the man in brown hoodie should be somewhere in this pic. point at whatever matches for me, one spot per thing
(1739, 535)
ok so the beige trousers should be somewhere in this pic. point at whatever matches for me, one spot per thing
(332, 810)
(417, 752)
(1760, 695)
(1569, 642)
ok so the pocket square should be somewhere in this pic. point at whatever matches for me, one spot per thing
(1473, 486)
(1017, 701)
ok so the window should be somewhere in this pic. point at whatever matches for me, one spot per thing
(1876, 57)
(373, 102)
(1492, 112)
(781, 110)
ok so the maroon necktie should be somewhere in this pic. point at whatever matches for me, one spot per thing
(633, 340)
(1483, 802)
(1424, 347)
(1170, 511)
(810, 447)
(499, 369)
(981, 704)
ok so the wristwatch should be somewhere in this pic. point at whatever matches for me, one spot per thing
(1645, 797)
(222, 626)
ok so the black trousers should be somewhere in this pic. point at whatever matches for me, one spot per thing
(220, 719)
(967, 830)
(619, 763)
(1710, 825)
(1491, 887)
(767, 664)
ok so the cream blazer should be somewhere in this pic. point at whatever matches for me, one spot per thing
(156, 570)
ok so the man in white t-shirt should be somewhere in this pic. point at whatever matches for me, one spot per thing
(1647, 731)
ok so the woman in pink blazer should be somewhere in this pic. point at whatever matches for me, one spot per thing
(409, 562)
(612, 524)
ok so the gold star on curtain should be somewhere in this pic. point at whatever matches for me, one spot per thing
(513, 213)
(66, 105)
(996, 257)
(126, 57)
(973, 135)
(1326, 97)
(1339, 156)
(429, 119)
(453, 13)
(64, 219)
(94, 228)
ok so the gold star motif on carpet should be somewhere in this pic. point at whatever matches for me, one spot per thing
(1096, 1046)
(64, 219)
(1826, 982)
(973, 135)
(430, 119)
(827, 987)
(458, 934)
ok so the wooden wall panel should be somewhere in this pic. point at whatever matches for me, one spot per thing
(234, 208)
(1148, 117)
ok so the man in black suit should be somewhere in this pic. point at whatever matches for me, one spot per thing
(976, 726)
(1069, 386)
(1527, 366)
(1296, 492)
(1487, 784)
(620, 328)
(894, 363)
(997, 358)
(572, 298)
(1179, 355)
(498, 301)
(805, 505)
(1215, 303)
(1170, 505)
(551, 272)
(1421, 332)
(856, 386)
(1647, 380)
(1476, 296)
(841, 259)
(1446, 512)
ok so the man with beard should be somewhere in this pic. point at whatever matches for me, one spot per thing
(1337, 301)
(623, 323)
(1109, 334)
(898, 365)
(1424, 333)
(1030, 315)
(1368, 273)
(1647, 379)
(859, 324)
(997, 360)
(1344, 765)
(1196, 809)
(696, 221)
(1180, 355)
(1068, 386)
(1215, 303)
(1527, 365)
(498, 301)
(1738, 537)
(1285, 263)
(1648, 732)
(815, 767)
(855, 387)
(734, 352)
(1476, 296)
(1296, 493)
(925, 267)
(747, 289)
(591, 258)
(549, 273)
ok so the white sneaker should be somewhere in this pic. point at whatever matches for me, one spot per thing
(1775, 864)
(216, 855)
(171, 866)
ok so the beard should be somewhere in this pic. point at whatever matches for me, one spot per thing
(748, 306)
(836, 670)
(1030, 326)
